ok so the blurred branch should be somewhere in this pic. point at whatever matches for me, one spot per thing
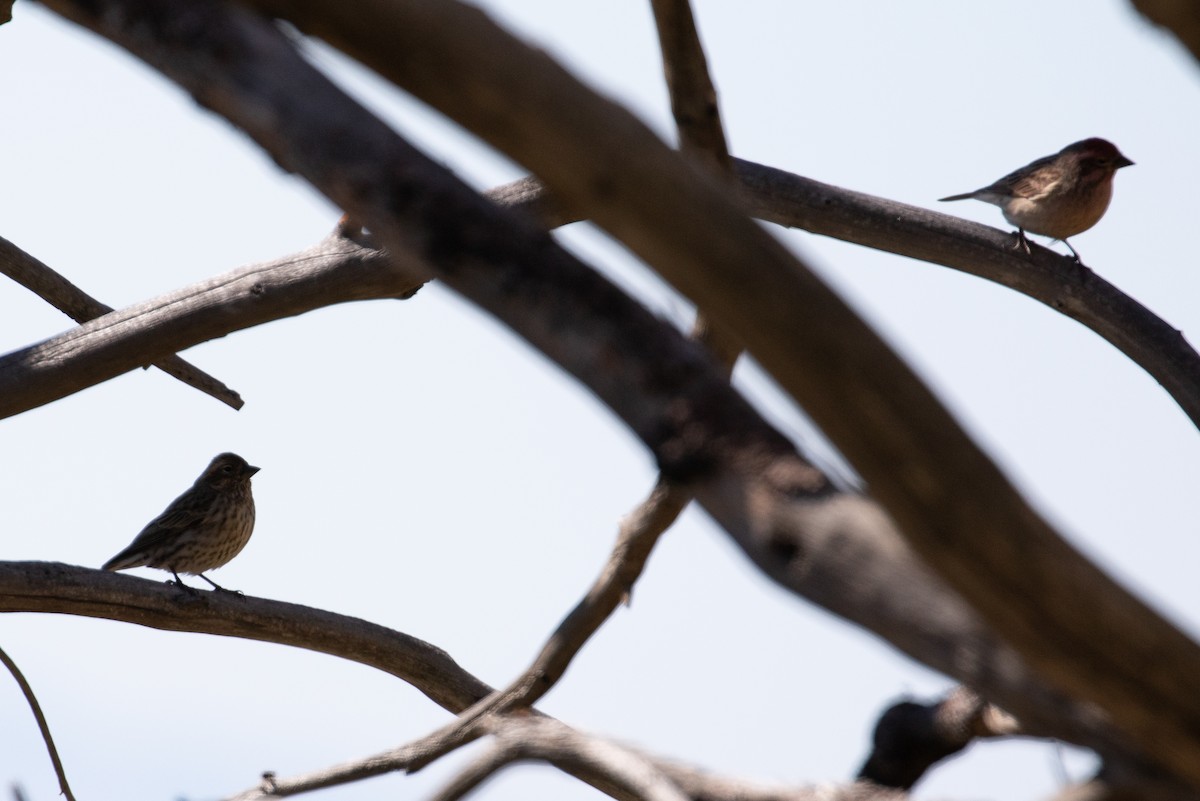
(81, 307)
(1062, 612)
(600, 762)
(1180, 18)
(43, 726)
(910, 737)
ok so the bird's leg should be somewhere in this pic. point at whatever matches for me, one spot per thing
(217, 586)
(1074, 252)
(178, 582)
(1022, 242)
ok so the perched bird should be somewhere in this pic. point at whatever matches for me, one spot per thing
(1057, 196)
(202, 529)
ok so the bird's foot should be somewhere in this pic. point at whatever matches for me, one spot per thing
(217, 587)
(1022, 243)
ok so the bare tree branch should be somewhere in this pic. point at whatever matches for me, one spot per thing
(599, 761)
(66, 589)
(639, 534)
(81, 307)
(477, 772)
(43, 726)
(335, 270)
(797, 202)
(1062, 611)
(693, 97)
(701, 134)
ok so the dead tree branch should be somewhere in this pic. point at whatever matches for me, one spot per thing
(1061, 612)
(43, 726)
(81, 307)
(1056, 281)
(335, 270)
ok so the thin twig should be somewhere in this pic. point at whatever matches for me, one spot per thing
(60, 293)
(639, 533)
(701, 133)
(693, 96)
(43, 726)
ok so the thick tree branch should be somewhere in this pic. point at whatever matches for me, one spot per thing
(81, 307)
(44, 727)
(1062, 612)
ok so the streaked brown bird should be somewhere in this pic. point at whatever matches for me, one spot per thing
(202, 529)
(1056, 196)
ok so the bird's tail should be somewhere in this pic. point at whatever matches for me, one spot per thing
(125, 560)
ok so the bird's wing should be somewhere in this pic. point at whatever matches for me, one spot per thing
(183, 513)
(1031, 181)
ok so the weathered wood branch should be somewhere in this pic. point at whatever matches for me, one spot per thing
(1056, 281)
(335, 270)
(72, 301)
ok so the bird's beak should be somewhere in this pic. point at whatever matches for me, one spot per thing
(251, 470)
(1123, 162)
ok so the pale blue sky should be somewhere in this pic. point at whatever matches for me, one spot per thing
(427, 471)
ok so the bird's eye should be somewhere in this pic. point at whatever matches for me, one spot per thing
(227, 468)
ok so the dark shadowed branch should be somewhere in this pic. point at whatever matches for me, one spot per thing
(1061, 612)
